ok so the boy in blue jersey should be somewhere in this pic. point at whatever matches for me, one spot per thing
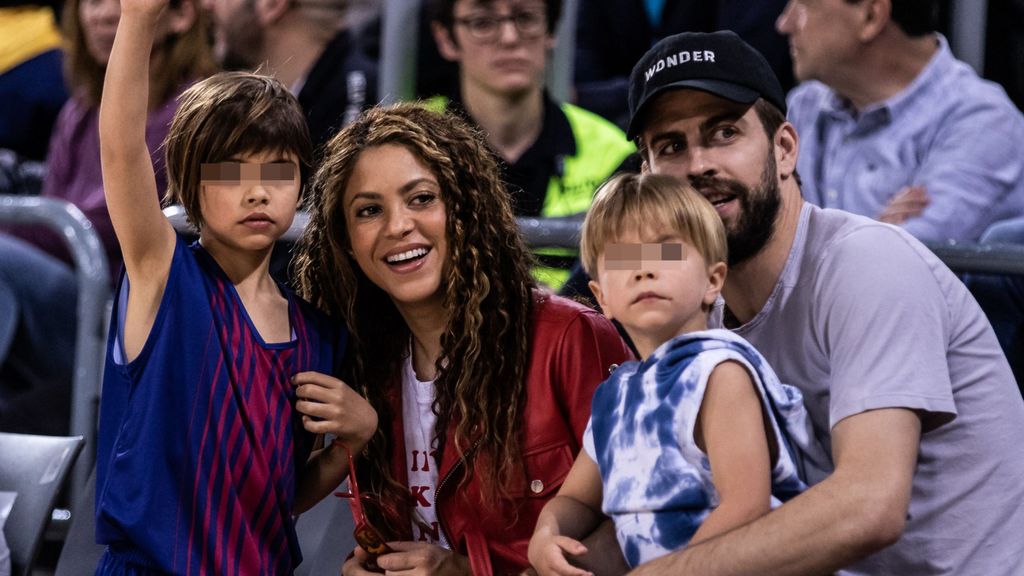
(217, 376)
(698, 437)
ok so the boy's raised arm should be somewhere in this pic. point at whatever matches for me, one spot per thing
(145, 235)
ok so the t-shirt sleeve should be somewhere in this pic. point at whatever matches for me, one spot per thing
(884, 324)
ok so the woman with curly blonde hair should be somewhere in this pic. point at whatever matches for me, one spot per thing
(482, 382)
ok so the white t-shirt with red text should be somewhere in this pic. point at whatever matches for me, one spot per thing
(420, 447)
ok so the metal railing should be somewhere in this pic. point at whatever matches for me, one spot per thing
(93, 280)
(983, 258)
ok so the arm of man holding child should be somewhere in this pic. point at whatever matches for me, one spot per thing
(145, 236)
(859, 509)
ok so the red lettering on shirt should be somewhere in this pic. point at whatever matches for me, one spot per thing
(432, 535)
(418, 493)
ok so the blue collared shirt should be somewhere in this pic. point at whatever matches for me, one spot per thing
(950, 131)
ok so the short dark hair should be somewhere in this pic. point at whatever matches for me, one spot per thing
(443, 11)
(224, 115)
(771, 117)
(914, 17)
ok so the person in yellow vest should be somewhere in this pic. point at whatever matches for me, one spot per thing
(553, 156)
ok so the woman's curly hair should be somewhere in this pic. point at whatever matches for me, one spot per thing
(480, 389)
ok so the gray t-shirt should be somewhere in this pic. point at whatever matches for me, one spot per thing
(865, 317)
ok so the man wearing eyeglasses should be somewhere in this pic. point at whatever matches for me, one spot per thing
(553, 156)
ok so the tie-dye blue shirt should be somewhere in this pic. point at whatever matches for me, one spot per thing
(657, 483)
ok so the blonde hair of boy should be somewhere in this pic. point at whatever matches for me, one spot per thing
(651, 202)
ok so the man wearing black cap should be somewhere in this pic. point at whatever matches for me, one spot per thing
(900, 370)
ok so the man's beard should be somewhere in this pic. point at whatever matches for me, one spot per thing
(759, 207)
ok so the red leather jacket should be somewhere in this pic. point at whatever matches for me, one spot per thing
(572, 350)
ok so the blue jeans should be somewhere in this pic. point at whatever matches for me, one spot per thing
(1001, 296)
(37, 339)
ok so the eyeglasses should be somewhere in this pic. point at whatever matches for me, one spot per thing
(368, 537)
(528, 23)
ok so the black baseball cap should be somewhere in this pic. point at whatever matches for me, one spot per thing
(716, 62)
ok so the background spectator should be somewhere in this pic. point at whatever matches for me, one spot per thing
(552, 156)
(1001, 296)
(73, 174)
(37, 340)
(31, 84)
(893, 127)
(38, 294)
(325, 51)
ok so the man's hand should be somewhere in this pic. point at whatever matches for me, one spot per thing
(907, 203)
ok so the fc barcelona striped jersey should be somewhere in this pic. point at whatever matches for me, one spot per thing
(199, 444)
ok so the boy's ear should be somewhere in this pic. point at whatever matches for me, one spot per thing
(716, 279)
(446, 45)
(596, 289)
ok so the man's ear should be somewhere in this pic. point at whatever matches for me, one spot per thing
(786, 147)
(716, 279)
(270, 11)
(596, 289)
(875, 16)
(446, 44)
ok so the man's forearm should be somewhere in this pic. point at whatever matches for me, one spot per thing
(818, 532)
(603, 557)
(858, 510)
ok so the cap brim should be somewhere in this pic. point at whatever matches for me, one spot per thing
(727, 90)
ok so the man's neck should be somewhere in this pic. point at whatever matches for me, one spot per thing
(885, 68)
(292, 47)
(750, 284)
(511, 123)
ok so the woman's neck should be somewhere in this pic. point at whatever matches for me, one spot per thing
(426, 323)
